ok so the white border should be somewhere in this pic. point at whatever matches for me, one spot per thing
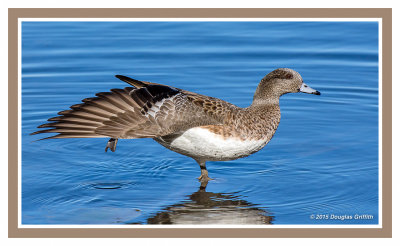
(379, 20)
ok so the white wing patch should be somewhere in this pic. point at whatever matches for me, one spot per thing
(155, 108)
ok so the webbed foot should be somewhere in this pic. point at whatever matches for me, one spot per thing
(112, 144)
(204, 178)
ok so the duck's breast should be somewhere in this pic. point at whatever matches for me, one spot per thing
(202, 144)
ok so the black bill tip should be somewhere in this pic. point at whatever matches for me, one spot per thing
(317, 93)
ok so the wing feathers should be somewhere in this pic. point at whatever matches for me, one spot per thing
(133, 82)
(149, 110)
(124, 94)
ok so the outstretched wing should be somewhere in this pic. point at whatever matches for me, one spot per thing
(147, 110)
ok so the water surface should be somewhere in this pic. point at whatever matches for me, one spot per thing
(323, 159)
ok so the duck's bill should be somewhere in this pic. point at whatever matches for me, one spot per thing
(307, 89)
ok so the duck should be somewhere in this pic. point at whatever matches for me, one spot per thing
(198, 126)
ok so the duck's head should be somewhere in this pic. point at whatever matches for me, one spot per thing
(279, 82)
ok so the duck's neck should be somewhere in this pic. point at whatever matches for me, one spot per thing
(266, 95)
(265, 101)
(267, 108)
(263, 117)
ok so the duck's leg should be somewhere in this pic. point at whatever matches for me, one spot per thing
(204, 173)
(112, 144)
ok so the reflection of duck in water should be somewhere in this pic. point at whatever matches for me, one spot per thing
(201, 127)
(204, 207)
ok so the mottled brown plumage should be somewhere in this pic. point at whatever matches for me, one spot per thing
(177, 118)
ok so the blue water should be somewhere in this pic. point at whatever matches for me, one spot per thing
(321, 163)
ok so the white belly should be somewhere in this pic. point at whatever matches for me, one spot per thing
(201, 144)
